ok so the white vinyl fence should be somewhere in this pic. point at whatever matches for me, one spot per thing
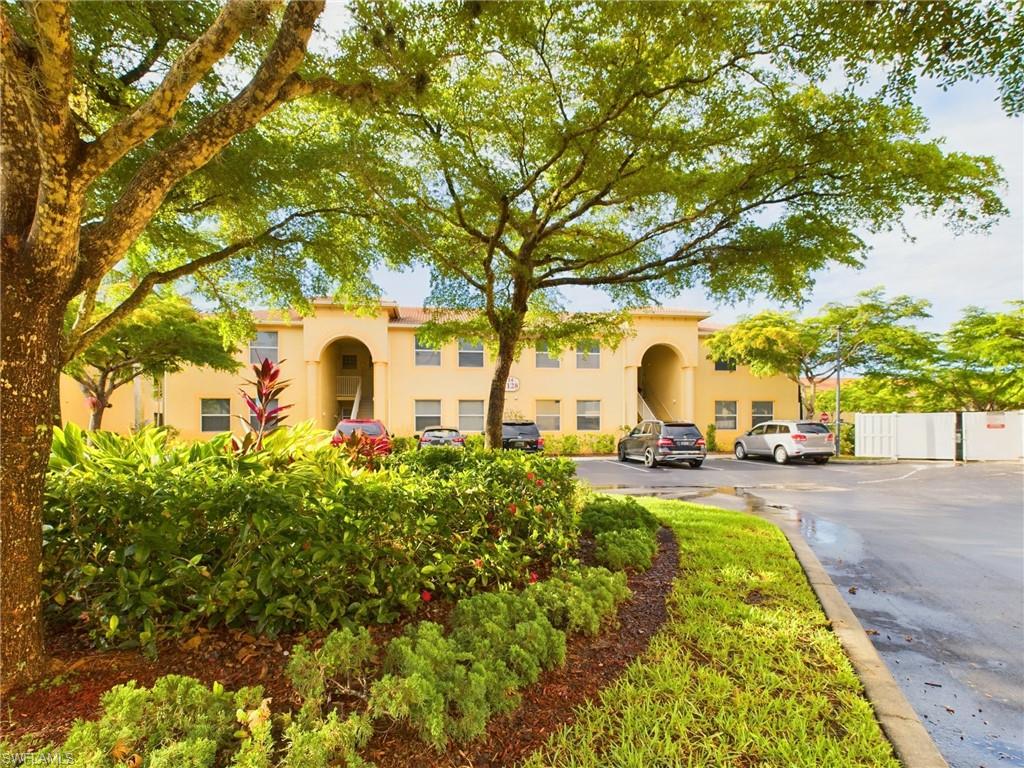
(987, 436)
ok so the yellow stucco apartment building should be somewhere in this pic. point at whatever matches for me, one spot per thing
(373, 365)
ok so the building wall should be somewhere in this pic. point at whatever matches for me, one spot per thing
(678, 375)
(744, 388)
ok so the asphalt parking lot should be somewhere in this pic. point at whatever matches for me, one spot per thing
(930, 556)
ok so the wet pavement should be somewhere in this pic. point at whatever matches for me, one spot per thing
(930, 556)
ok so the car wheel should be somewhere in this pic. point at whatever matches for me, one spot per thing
(781, 457)
(696, 464)
(650, 460)
(622, 453)
(821, 460)
(740, 451)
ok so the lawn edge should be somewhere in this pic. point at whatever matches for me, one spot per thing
(911, 741)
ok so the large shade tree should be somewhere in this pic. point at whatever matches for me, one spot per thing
(163, 335)
(644, 148)
(173, 141)
(873, 335)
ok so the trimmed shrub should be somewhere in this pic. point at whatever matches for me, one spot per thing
(712, 438)
(629, 548)
(606, 513)
(579, 601)
(603, 445)
(143, 535)
(403, 444)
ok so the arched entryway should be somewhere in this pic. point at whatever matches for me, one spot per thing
(660, 384)
(346, 386)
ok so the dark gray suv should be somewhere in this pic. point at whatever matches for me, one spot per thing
(654, 442)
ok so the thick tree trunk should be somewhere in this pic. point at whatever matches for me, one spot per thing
(31, 321)
(496, 399)
(96, 413)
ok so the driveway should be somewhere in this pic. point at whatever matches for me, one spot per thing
(930, 557)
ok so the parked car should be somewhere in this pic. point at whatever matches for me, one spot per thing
(440, 437)
(375, 434)
(785, 440)
(655, 442)
(521, 436)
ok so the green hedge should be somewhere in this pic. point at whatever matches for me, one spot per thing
(143, 535)
(624, 532)
(583, 444)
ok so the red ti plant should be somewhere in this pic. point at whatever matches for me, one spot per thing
(361, 450)
(264, 417)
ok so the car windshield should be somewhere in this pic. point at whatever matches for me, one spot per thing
(812, 428)
(520, 430)
(681, 430)
(441, 433)
(369, 428)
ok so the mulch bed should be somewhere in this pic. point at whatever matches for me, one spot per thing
(591, 664)
(80, 676)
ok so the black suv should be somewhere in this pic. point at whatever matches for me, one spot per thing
(656, 441)
(522, 436)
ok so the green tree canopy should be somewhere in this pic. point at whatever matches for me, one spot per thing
(644, 148)
(164, 335)
(873, 335)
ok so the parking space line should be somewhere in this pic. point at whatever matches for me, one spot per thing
(626, 465)
(890, 479)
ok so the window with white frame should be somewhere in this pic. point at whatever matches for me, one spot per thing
(471, 415)
(725, 414)
(588, 415)
(761, 411)
(471, 354)
(428, 414)
(263, 347)
(544, 359)
(427, 354)
(588, 354)
(214, 414)
(549, 415)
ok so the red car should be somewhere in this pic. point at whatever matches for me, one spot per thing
(375, 434)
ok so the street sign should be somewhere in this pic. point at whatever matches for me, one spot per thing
(825, 417)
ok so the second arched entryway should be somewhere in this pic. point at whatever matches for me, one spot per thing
(346, 389)
(660, 384)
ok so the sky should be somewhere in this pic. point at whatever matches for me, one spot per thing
(951, 271)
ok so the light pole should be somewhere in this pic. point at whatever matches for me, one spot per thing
(839, 418)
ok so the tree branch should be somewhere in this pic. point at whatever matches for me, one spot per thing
(163, 104)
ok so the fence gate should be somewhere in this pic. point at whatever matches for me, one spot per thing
(986, 436)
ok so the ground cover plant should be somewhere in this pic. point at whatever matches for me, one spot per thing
(623, 531)
(447, 684)
(746, 670)
(145, 535)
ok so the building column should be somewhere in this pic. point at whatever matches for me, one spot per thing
(381, 395)
(313, 392)
(630, 381)
(689, 393)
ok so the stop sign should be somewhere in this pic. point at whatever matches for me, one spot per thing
(824, 418)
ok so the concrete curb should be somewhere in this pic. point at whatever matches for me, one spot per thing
(864, 462)
(910, 740)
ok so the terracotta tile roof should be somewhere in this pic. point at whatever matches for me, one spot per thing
(275, 316)
(672, 312)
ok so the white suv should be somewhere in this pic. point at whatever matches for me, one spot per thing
(785, 440)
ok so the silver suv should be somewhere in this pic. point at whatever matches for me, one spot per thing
(785, 440)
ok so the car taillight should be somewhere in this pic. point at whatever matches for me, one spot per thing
(665, 442)
(830, 437)
(799, 437)
(425, 439)
(540, 442)
(458, 439)
(700, 442)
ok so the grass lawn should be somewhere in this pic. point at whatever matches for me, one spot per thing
(745, 672)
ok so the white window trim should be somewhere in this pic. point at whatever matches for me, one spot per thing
(482, 416)
(557, 415)
(254, 349)
(416, 349)
(416, 416)
(202, 416)
(587, 355)
(588, 416)
(735, 416)
(538, 352)
(460, 352)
